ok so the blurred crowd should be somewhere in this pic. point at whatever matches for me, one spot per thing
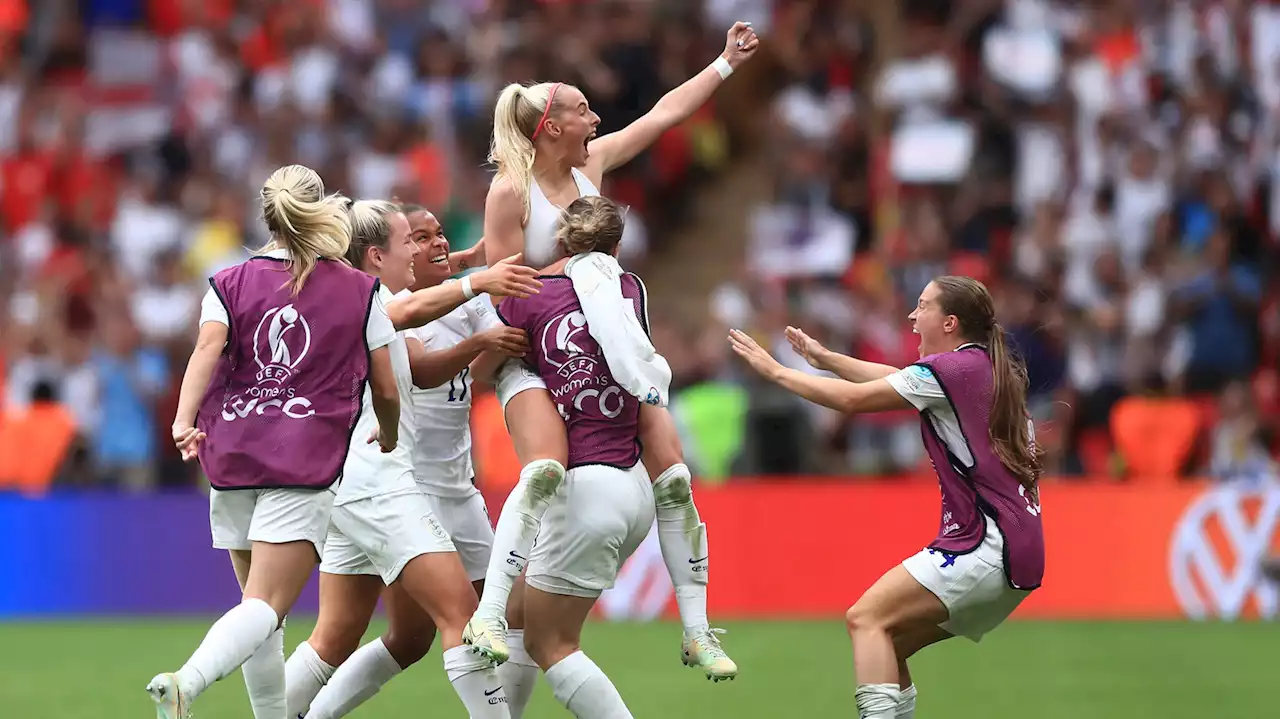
(1108, 167)
(135, 134)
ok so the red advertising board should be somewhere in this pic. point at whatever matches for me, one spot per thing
(788, 548)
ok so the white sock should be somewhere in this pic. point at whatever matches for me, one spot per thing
(264, 678)
(683, 539)
(476, 683)
(584, 689)
(877, 701)
(355, 682)
(906, 704)
(305, 674)
(519, 674)
(518, 525)
(230, 642)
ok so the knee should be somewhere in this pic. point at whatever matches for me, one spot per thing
(547, 649)
(408, 646)
(674, 487)
(863, 616)
(544, 479)
(335, 643)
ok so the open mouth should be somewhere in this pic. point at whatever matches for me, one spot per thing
(442, 259)
(587, 141)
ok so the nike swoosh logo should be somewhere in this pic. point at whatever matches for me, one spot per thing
(517, 556)
(491, 693)
(699, 561)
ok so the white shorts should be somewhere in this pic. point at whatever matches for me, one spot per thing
(515, 377)
(466, 519)
(240, 517)
(972, 586)
(598, 518)
(379, 535)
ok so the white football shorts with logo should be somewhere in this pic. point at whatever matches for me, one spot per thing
(515, 377)
(379, 535)
(596, 521)
(240, 517)
(972, 586)
(466, 519)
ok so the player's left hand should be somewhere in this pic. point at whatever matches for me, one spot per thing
(754, 354)
(740, 44)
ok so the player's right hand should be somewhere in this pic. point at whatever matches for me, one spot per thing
(385, 443)
(807, 347)
(187, 439)
(509, 341)
(508, 278)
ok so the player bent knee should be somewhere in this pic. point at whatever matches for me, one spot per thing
(410, 630)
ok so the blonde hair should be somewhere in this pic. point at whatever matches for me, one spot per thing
(590, 224)
(303, 220)
(369, 228)
(516, 117)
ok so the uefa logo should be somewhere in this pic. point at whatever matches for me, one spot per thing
(1217, 550)
(287, 341)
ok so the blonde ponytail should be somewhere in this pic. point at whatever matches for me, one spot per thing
(304, 221)
(515, 118)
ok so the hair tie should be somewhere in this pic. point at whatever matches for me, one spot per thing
(551, 96)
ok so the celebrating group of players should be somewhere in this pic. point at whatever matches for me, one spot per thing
(328, 400)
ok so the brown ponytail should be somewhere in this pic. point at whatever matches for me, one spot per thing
(1010, 423)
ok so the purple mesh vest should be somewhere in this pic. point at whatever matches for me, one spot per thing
(988, 487)
(602, 419)
(284, 400)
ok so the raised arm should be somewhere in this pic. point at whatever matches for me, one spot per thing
(843, 366)
(505, 278)
(847, 397)
(618, 148)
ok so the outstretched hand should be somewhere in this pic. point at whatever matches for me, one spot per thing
(807, 347)
(508, 278)
(755, 355)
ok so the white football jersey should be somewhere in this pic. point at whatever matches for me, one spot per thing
(442, 415)
(368, 472)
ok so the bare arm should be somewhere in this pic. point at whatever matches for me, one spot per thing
(856, 370)
(463, 260)
(386, 397)
(195, 382)
(848, 397)
(425, 305)
(618, 148)
(504, 278)
(485, 367)
(503, 222)
(434, 368)
(204, 358)
(843, 366)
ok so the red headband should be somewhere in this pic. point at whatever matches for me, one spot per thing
(551, 96)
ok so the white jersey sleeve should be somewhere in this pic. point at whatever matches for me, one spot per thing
(918, 385)
(212, 310)
(481, 314)
(378, 330)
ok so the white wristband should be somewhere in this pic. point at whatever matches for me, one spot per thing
(466, 288)
(723, 67)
